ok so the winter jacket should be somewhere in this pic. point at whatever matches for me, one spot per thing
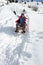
(17, 21)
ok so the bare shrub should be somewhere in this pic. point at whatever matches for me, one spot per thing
(34, 8)
(42, 2)
(29, 6)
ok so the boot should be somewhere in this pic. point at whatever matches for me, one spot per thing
(16, 30)
(23, 31)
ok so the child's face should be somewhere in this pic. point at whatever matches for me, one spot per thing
(22, 15)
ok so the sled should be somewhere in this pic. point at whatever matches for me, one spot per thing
(20, 28)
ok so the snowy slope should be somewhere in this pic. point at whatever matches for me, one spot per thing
(20, 49)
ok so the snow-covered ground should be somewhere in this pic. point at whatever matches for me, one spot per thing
(17, 48)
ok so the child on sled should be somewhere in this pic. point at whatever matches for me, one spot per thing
(21, 23)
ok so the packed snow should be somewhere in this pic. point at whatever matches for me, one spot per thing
(17, 48)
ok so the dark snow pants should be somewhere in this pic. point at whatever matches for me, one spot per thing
(21, 25)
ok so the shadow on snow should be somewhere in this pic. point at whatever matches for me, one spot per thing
(8, 30)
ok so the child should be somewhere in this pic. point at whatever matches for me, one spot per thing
(21, 22)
